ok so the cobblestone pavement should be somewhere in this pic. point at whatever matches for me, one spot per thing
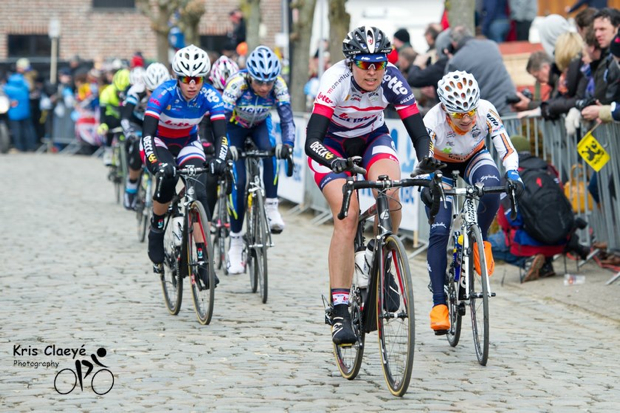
(74, 278)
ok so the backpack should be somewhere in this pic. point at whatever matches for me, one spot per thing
(547, 214)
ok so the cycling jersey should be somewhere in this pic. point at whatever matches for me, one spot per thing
(177, 117)
(134, 107)
(452, 145)
(110, 103)
(248, 109)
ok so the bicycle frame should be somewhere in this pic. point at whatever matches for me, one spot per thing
(254, 183)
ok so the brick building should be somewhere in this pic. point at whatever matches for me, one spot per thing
(105, 28)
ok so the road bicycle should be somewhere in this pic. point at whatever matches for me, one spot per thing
(63, 379)
(465, 287)
(118, 168)
(186, 229)
(144, 202)
(258, 234)
(220, 224)
(386, 304)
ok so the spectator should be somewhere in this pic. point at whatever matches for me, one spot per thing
(237, 34)
(63, 125)
(515, 245)
(20, 119)
(401, 39)
(550, 29)
(406, 56)
(430, 35)
(423, 74)
(137, 60)
(495, 23)
(597, 4)
(608, 112)
(584, 19)
(540, 65)
(482, 58)
(605, 24)
(523, 13)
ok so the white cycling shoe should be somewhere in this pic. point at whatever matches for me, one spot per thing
(107, 156)
(276, 223)
(235, 264)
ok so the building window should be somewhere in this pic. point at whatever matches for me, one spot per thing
(30, 45)
(114, 4)
(213, 43)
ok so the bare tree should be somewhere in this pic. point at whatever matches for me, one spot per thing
(159, 16)
(300, 42)
(251, 14)
(461, 13)
(190, 13)
(339, 22)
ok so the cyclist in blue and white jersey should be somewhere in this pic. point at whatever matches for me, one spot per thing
(169, 135)
(347, 120)
(460, 125)
(132, 116)
(250, 95)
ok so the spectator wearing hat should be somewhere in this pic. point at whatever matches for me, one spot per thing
(20, 117)
(137, 60)
(401, 39)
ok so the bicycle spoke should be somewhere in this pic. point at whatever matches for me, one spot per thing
(201, 268)
(170, 271)
(453, 274)
(479, 299)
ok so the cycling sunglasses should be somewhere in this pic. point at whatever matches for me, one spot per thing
(262, 83)
(370, 65)
(459, 115)
(189, 79)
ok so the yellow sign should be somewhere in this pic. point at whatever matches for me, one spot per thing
(592, 152)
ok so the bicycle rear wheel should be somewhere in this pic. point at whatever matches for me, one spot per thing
(201, 268)
(170, 271)
(143, 211)
(349, 358)
(116, 172)
(395, 315)
(452, 291)
(261, 228)
(479, 298)
(221, 230)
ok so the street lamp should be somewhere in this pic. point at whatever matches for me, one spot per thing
(54, 34)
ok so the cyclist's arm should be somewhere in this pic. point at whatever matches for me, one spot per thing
(500, 139)
(419, 135)
(317, 127)
(284, 111)
(126, 114)
(235, 87)
(216, 109)
(154, 108)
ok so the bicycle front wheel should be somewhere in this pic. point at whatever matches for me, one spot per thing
(395, 315)
(479, 298)
(261, 226)
(200, 263)
(170, 270)
(453, 289)
(249, 252)
(349, 358)
(117, 173)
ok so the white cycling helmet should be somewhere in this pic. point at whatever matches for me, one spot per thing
(223, 68)
(191, 61)
(458, 92)
(156, 74)
(136, 75)
(263, 64)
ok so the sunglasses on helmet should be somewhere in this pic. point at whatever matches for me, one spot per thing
(189, 79)
(370, 65)
(461, 115)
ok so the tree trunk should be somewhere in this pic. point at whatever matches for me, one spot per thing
(159, 17)
(461, 13)
(191, 11)
(300, 39)
(252, 20)
(339, 22)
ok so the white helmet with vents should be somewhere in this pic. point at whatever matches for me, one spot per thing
(136, 75)
(191, 61)
(458, 92)
(156, 74)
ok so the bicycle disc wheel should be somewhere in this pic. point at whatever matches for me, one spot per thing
(395, 315)
(260, 249)
(452, 291)
(249, 241)
(201, 269)
(479, 298)
(171, 277)
(349, 358)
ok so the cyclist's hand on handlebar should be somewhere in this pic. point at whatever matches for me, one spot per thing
(233, 153)
(102, 129)
(167, 170)
(340, 165)
(283, 151)
(513, 180)
(429, 165)
(217, 166)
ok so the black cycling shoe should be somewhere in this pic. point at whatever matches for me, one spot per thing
(342, 330)
(204, 277)
(392, 297)
(156, 246)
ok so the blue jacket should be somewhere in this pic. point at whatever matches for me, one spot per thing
(17, 90)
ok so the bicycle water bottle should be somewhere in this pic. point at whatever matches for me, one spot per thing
(458, 247)
(177, 230)
(359, 277)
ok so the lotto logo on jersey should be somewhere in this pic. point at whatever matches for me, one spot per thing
(395, 84)
(211, 95)
(323, 98)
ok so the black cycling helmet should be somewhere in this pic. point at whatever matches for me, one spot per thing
(365, 40)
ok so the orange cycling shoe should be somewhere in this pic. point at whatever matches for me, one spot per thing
(440, 319)
(488, 257)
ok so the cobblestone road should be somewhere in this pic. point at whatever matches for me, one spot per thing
(73, 276)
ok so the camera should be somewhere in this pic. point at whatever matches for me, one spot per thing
(584, 103)
(512, 99)
(527, 93)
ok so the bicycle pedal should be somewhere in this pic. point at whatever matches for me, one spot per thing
(492, 294)
(346, 345)
(441, 332)
(276, 231)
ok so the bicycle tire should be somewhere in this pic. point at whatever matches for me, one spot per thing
(142, 210)
(92, 382)
(479, 298)
(220, 235)
(124, 164)
(261, 239)
(395, 325)
(452, 291)
(349, 358)
(75, 380)
(202, 282)
(116, 172)
(250, 254)
(171, 277)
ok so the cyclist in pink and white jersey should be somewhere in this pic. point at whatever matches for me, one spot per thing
(347, 120)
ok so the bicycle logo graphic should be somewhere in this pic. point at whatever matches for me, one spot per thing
(105, 381)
